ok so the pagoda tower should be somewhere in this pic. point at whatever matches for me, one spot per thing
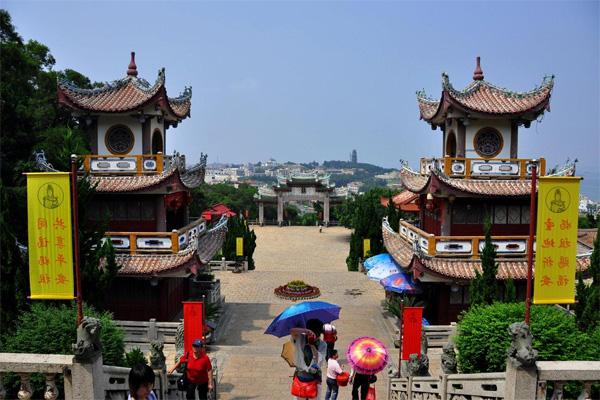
(144, 193)
(478, 175)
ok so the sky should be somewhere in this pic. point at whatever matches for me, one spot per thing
(304, 81)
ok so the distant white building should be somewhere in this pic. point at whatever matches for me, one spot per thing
(588, 206)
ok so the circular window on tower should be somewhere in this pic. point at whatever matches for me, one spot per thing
(488, 142)
(119, 139)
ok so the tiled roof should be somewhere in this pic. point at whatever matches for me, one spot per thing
(157, 264)
(400, 250)
(465, 268)
(483, 97)
(587, 236)
(416, 182)
(128, 94)
(130, 183)
(404, 197)
(427, 107)
(413, 181)
(457, 268)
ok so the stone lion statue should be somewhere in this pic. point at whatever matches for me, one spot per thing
(157, 357)
(88, 340)
(521, 352)
(417, 365)
(449, 359)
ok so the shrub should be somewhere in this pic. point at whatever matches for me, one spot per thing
(483, 338)
(50, 329)
(134, 357)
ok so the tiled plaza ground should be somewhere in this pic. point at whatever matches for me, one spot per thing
(249, 361)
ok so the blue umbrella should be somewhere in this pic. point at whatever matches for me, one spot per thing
(400, 282)
(425, 322)
(296, 316)
(379, 259)
(382, 271)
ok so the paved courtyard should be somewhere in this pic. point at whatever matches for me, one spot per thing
(249, 361)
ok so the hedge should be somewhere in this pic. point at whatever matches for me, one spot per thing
(483, 339)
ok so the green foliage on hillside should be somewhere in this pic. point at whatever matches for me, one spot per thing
(238, 199)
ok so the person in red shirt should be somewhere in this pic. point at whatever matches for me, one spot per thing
(198, 371)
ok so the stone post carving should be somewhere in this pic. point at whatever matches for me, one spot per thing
(449, 359)
(521, 372)
(88, 340)
(87, 375)
(179, 342)
(157, 357)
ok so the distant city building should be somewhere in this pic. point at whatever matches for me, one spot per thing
(353, 157)
(588, 206)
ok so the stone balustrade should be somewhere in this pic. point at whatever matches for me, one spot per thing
(484, 168)
(514, 384)
(50, 365)
(82, 381)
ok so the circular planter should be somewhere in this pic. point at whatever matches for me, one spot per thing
(296, 290)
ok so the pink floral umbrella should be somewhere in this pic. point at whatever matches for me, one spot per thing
(367, 355)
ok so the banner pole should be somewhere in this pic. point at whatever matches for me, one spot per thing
(76, 237)
(532, 214)
(400, 336)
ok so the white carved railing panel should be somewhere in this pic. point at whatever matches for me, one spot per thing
(488, 385)
(153, 243)
(495, 168)
(507, 247)
(120, 242)
(189, 233)
(453, 247)
(113, 164)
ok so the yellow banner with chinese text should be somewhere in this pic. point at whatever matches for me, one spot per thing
(556, 240)
(239, 246)
(50, 236)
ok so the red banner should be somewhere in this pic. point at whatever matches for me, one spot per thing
(193, 323)
(411, 333)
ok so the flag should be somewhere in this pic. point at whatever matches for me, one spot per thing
(556, 240)
(412, 320)
(193, 323)
(50, 236)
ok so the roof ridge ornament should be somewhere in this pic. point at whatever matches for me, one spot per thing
(478, 73)
(132, 68)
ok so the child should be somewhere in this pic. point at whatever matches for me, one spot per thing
(333, 370)
(141, 382)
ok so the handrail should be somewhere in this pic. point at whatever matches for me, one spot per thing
(520, 172)
(133, 236)
(474, 240)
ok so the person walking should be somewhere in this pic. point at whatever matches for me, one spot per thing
(333, 370)
(141, 383)
(198, 371)
(329, 337)
(360, 384)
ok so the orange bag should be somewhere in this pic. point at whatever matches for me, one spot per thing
(342, 378)
(371, 393)
(305, 390)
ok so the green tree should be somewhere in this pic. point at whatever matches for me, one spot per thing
(31, 120)
(590, 312)
(363, 214)
(240, 199)
(238, 227)
(510, 291)
(484, 288)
